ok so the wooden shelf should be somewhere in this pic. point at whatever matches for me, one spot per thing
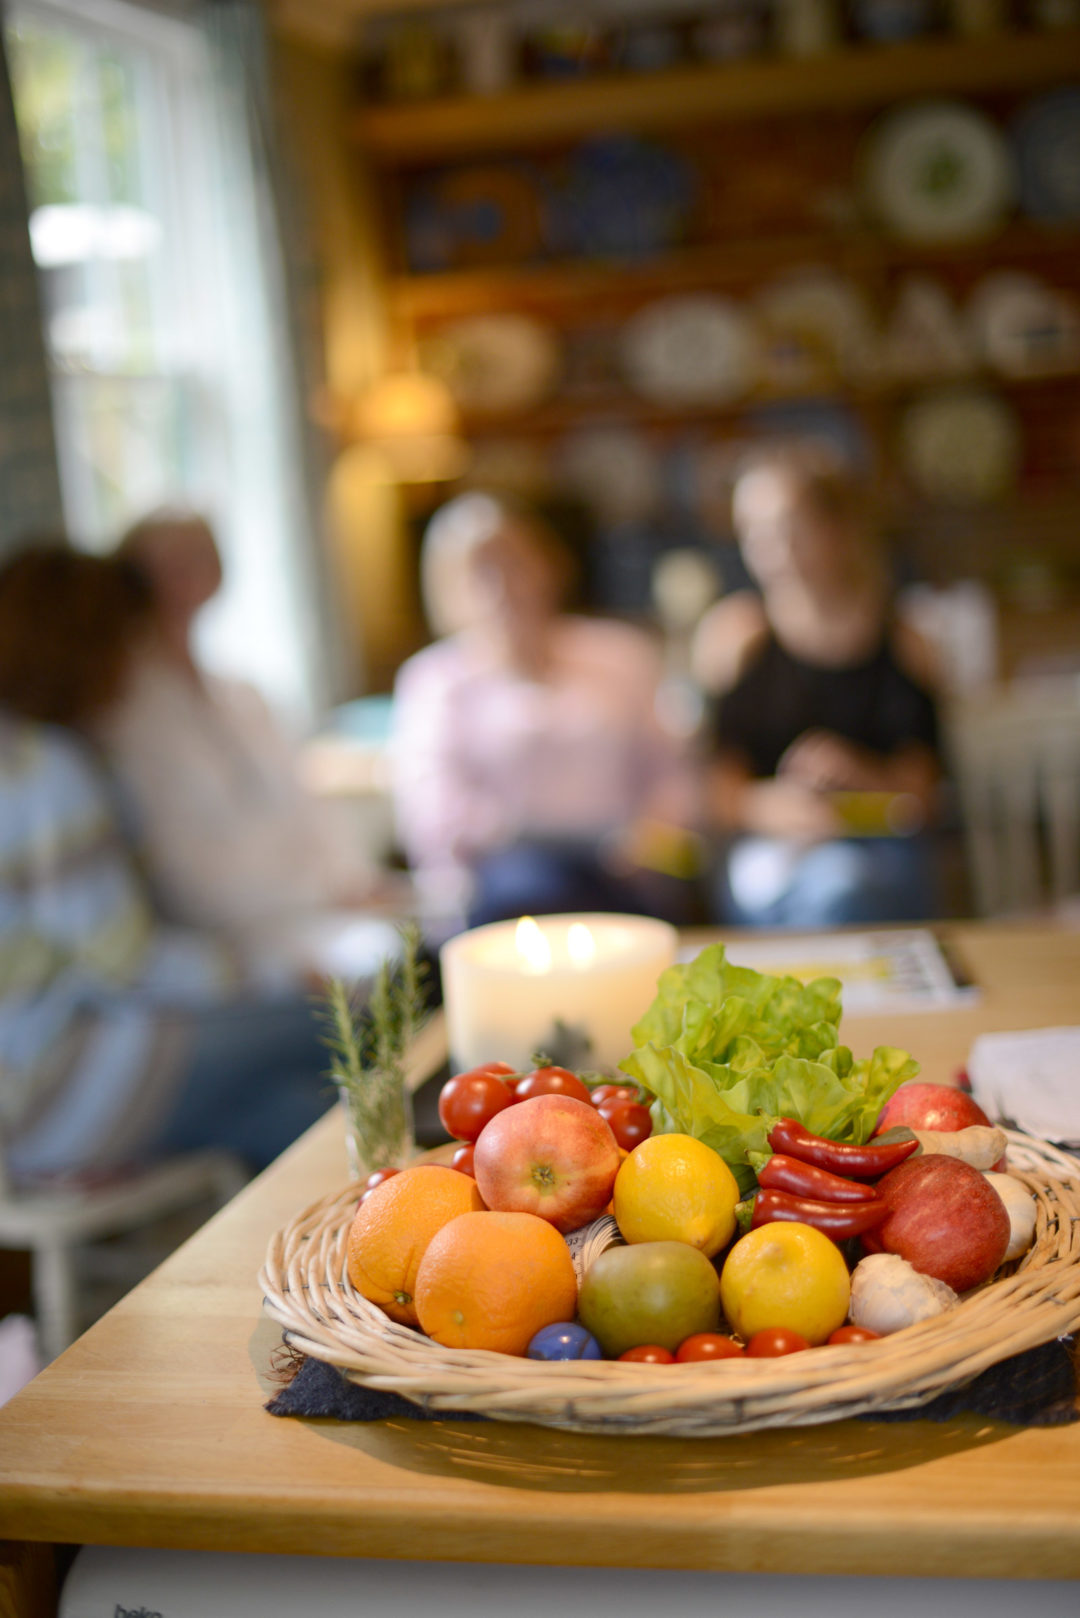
(457, 293)
(625, 409)
(861, 76)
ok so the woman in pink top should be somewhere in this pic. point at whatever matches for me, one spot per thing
(528, 753)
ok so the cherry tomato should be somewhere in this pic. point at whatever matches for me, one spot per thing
(551, 1081)
(628, 1121)
(463, 1158)
(470, 1100)
(378, 1177)
(708, 1345)
(374, 1181)
(776, 1340)
(501, 1070)
(612, 1092)
(854, 1334)
(649, 1354)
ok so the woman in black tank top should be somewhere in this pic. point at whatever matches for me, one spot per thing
(874, 704)
(823, 720)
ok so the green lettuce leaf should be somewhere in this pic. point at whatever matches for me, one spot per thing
(726, 1051)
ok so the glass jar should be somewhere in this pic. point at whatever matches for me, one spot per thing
(383, 1137)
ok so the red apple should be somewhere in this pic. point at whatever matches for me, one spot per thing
(553, 1156)
(933, 1106)
(945, 1218)
(930, 1106)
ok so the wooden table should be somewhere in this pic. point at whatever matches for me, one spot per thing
(151, 1431)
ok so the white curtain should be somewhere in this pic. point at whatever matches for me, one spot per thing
(277, 558)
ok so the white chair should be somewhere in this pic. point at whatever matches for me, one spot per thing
(54, 1223)
(1016, 757)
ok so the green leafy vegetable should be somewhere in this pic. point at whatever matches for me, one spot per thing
(726, 1051)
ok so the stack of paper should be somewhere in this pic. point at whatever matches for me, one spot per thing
(884, 970)
(1032, 1078)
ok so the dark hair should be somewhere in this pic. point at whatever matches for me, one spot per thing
(132, 543)
(68, 622)
(824, 479)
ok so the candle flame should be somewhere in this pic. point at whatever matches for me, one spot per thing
(532, 946)
(580, 945)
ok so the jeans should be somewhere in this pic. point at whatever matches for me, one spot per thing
(549, 877)
(255, 1079)
(766, 882)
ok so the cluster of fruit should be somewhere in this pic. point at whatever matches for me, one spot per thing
(469, 1101)
(474, 1255)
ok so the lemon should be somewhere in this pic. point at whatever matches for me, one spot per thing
(785, 1275)
(672, 1188)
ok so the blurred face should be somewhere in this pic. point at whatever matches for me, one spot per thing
(182, 564)
(783, 534)
(514, 579)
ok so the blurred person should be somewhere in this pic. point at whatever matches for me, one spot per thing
(825, 719)
(230, 836)
(531, 771)
(120, 1040)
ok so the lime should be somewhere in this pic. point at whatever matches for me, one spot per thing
(658, 1293)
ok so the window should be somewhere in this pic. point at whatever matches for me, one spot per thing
(170, 378)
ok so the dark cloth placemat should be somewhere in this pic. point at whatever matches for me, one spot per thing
(1034, 1389)
(319, 1389)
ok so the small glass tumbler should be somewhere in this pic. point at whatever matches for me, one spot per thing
(379, 1135)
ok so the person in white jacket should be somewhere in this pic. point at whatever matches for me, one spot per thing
(229, 835)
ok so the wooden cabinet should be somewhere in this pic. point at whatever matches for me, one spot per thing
(777, 147)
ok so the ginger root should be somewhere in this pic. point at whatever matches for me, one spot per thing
(978, 1144)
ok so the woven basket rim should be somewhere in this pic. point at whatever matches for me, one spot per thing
(307, 1292)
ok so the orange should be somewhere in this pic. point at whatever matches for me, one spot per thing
(493, 1280)
(392, 1229)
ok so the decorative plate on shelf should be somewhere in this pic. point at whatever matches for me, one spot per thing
(817, 326)
(619, 197)
(1024, 328)
(890, 20)
(1047, 140)
(487, 214)
(495, 364)
(962, 446)
(925, 336)
(938, 171)
(614, 469)
(690, 351)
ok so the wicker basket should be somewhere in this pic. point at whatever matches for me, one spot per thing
(307, 1291)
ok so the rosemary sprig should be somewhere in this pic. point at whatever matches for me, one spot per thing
(368, 1046)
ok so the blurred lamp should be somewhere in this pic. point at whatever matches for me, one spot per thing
(411, 421)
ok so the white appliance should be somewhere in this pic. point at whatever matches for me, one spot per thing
(113, 1583)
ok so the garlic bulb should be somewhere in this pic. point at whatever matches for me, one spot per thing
(888, 1293)
(1020, 1207)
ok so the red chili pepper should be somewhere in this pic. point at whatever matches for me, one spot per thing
(839, 1220)
(838, 1157)
(804, 1180)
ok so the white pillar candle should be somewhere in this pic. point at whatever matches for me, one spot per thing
(570, 986)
